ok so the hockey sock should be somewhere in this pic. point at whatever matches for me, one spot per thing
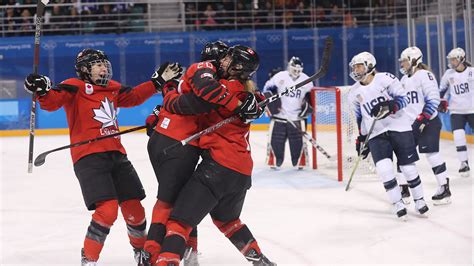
(439, 167)
(157, 231)
(174, 243)
(400, 177)
(414, 181)
(240, 236)
(134, 215)
(460, 142)
(192, 241)
(103, 218)
(384, 169)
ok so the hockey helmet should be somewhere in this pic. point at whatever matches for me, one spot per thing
(86, 60)
(413, 56)
(242, 63)
(456, 54)
(214, 51)
(367, 60)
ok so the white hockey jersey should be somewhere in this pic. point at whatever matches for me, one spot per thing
(458, 87)
(292, 103)
(383, 87)
(423, 94)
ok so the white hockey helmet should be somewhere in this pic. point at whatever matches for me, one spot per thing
(414, 56)
(366, 59)
(295, 67)
(458, 54)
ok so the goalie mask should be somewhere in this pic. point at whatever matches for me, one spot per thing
(456, 57)
(93, 66)
(361, 66)
(240, 62)
(295, 67)
(409, 60)
(214, 51)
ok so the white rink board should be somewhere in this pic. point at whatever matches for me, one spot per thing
(298, 217)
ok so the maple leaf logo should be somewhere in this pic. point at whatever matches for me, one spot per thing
(106, 114)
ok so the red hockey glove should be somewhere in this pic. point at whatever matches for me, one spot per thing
(152, 120)
(443, 106)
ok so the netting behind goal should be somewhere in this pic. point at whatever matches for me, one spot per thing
(335, 129)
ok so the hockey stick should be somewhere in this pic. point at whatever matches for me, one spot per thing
(320, 73)
(39, 16)
(40, 159)
(313, 141)
(359, 158)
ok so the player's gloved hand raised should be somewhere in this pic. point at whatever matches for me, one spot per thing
(37, 83)
(384, 109)
(443, 106)
(359, 142)
(249, 110)
(166, 72)
(421, 121)
(152, 120)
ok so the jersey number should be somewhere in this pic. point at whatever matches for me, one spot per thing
(204, 65)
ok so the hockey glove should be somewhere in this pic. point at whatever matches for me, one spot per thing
(443, 106)
(38, 83)
(384, 109)
(359, 142)
(305, 110)
(421, 121)
(249, 110)
(152, 120)
(165, 73)
(170, 86)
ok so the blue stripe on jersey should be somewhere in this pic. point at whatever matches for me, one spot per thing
(401, 101)
(431, 105)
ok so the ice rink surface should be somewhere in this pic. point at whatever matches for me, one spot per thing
(298, 217)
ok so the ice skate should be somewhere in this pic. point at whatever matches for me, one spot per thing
(401, 210)
(190, 257)
(464, 169)
(443, 195)
(142, 257)
(421, 207)
(258, 259)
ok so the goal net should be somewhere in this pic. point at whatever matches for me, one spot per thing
(334, 128)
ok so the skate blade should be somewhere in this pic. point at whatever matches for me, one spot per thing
(403, 218)
(444, 201)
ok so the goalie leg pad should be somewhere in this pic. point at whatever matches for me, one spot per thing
(278, 135)
(296, 141)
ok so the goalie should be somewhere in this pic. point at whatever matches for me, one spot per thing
(293, 106)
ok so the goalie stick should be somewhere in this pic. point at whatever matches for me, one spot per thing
(40, 159)
(359, 158)
(320, 73)
(39, 16)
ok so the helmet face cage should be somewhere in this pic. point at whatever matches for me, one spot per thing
(456, 53)
(86, 59)
(295, 67)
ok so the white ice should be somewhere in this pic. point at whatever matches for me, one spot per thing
(298, 217)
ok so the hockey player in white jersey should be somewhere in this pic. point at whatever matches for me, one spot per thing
(457, 85)
(423, 102)
(381, 97)
(295, 107)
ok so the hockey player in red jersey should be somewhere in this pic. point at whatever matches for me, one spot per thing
(174, 169)
(107, 178)
(219, 184)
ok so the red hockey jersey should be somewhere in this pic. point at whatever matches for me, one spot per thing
(229, 145)
(199, 79)
(92, 111)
